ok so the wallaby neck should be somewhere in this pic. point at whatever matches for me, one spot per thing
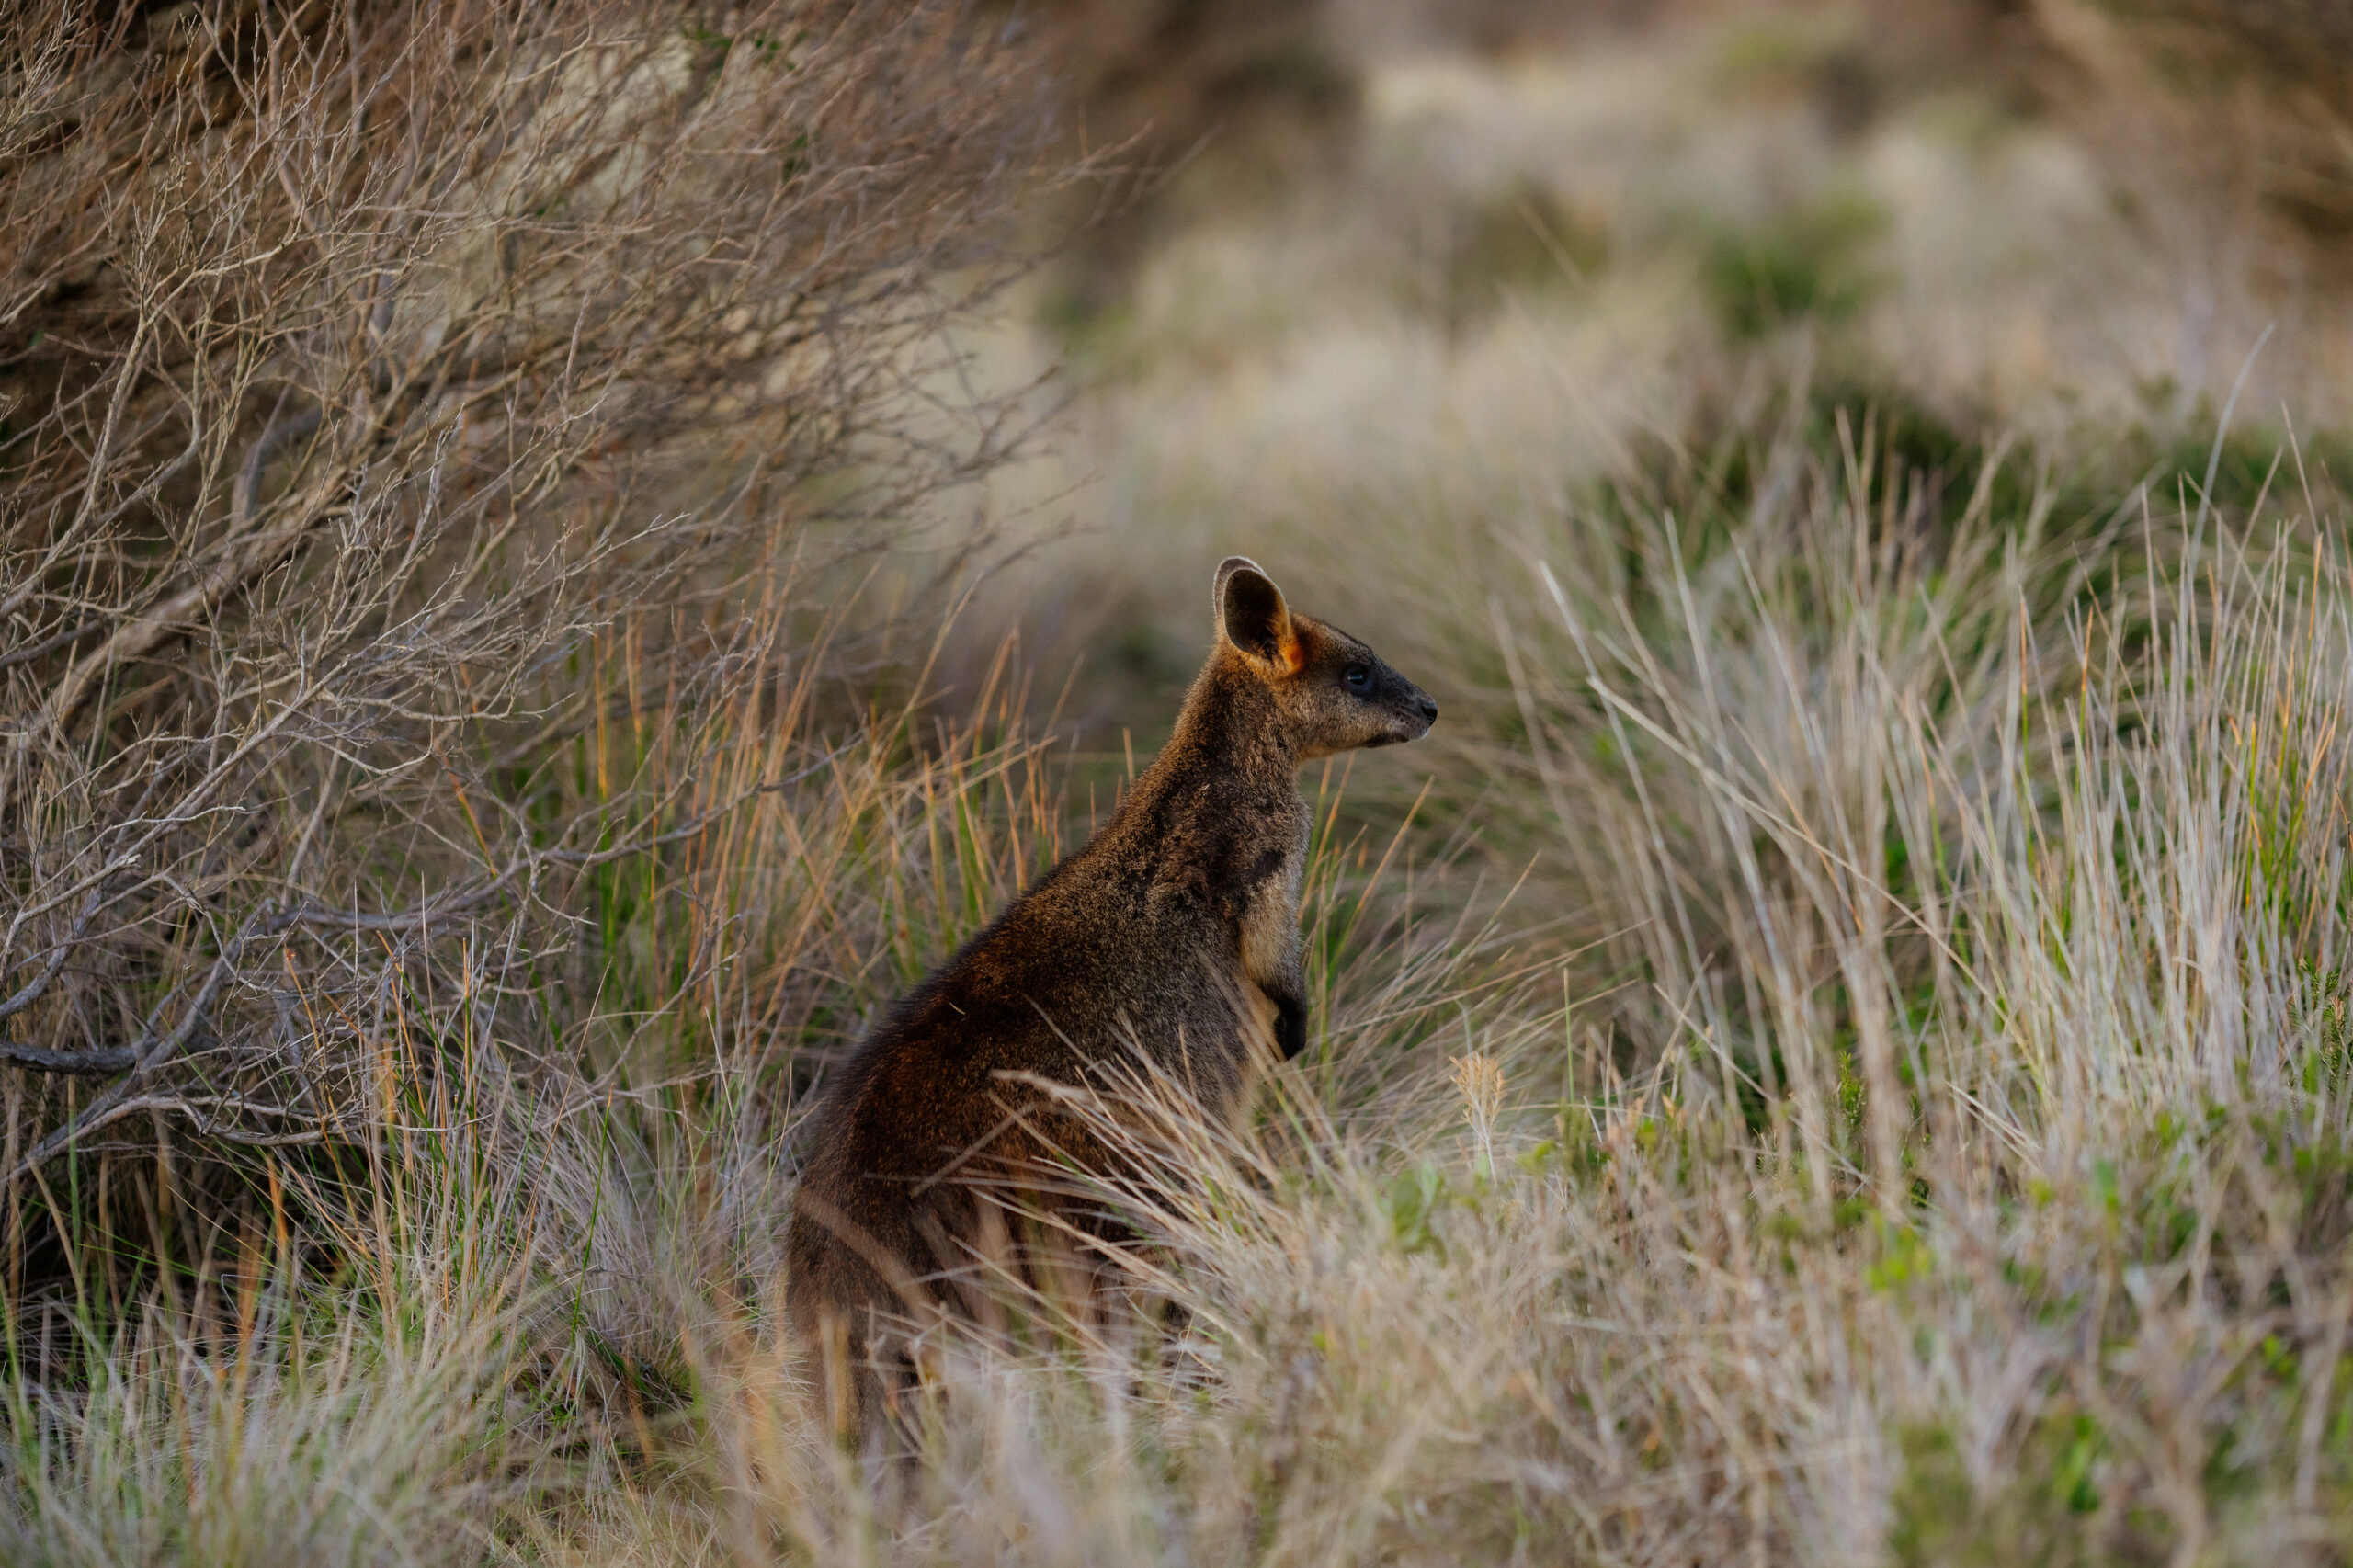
(1229, 735)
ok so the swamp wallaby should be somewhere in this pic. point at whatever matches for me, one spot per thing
(1172, 937)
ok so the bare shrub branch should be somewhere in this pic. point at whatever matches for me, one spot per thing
(390, 391)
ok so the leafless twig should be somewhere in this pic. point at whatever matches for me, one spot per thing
(392, 394)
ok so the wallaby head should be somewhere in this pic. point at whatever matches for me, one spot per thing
(1331, 692)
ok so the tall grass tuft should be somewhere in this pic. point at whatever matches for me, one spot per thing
(1924, 1141)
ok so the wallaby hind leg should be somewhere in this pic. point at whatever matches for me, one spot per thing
(851, 1388)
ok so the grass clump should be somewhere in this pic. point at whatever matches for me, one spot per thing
(1812, 259)
(1913, 1128)
(1847, 1063)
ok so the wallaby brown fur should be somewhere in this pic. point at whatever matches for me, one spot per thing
(1174, 933)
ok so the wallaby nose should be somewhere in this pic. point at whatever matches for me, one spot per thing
(1429, 710)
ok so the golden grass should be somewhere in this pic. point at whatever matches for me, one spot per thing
(1943, 1158)
(1845, 1060)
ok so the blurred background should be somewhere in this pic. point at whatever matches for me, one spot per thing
(1368, 286)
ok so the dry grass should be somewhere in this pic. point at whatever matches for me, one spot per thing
(1955, 1173)
(1944, 1160)
(1849, 1063)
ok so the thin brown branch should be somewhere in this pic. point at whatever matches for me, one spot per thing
(78, 1064)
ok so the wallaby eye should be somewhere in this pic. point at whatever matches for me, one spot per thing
(1356, 678)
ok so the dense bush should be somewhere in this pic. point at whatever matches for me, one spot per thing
(396, 397)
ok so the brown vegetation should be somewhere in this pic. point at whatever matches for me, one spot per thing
(392, 393)
(1844, 1058)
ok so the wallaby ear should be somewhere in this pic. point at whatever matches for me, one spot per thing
(1252, 616)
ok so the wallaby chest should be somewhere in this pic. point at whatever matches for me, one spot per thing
(1269, 912)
